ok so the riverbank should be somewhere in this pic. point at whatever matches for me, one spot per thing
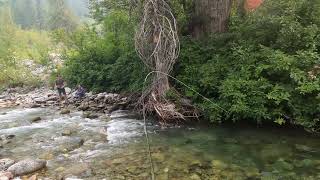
(45, 97)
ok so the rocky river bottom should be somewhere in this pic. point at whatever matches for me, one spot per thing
(114, 148)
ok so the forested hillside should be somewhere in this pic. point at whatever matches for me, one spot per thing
(25, 31)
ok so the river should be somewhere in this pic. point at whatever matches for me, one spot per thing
(115, 148)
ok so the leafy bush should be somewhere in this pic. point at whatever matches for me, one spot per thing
(264, 69)
(104, 60)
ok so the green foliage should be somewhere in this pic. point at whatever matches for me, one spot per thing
(17, 44)
(262, 70)
(104, 60)
(60, 16)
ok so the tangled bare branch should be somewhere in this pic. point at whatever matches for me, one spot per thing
(157, 44)
(157, 41)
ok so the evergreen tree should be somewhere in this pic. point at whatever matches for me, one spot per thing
(60, 16)
(24, 13)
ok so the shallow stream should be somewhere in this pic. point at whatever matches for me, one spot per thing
(115, 148)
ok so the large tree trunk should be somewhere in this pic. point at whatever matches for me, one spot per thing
(212, 16)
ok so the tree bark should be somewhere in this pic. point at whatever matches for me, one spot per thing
(212, 16)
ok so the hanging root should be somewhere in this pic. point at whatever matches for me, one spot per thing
(158, 46)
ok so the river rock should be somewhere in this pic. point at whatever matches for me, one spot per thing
(303, 148)
(35, 106)
(33, 177)
(5, 164)
(7, 137)
(271, 152)
(283, 165)
(90, 115)
(66, 144)
(65, 111)
(195, 177)
(76, 170)
(35, 119)
(26, 167)
(6, 175)
(217, 164)
(66, 132)
(73, 178)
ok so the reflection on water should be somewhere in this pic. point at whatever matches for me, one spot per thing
(115, 149)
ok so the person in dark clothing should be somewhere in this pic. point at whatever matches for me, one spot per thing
(61, 89)
(80, 93)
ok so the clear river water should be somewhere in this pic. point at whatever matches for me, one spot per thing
(115, 148)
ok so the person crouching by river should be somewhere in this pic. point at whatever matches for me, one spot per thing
(80, 93)
(61, 89)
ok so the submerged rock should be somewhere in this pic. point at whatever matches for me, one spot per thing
(66, 144)
(303, 148)
(65, 111)
(283, 165)
(76, 170)
(35, 119)
(272, 152)
(26, 167)
(218, 164)
(73, 178)
(195, 177)
(35, 106)
(66, 132)
(5, 164)
(90, 115)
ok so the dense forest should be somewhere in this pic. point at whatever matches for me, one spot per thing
(256, 61)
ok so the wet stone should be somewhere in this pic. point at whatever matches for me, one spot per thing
(26, 167)
(36, 119)
(218, 164)
(35, 105)
(303, 148)
(5, 164)
(283, 165)
(195, 177)
(271, 152)
(78, 170)
(65, 111)
(90, 115)
(66, 132)
(66, 144)
(6, 175)
(47, 156)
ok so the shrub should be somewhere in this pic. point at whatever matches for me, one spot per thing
(262, 70)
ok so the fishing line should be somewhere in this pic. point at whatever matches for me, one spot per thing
(144, 113)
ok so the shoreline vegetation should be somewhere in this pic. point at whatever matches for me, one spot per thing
(263, 67)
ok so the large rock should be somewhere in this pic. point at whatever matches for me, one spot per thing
(26, 167)
(5, 164)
